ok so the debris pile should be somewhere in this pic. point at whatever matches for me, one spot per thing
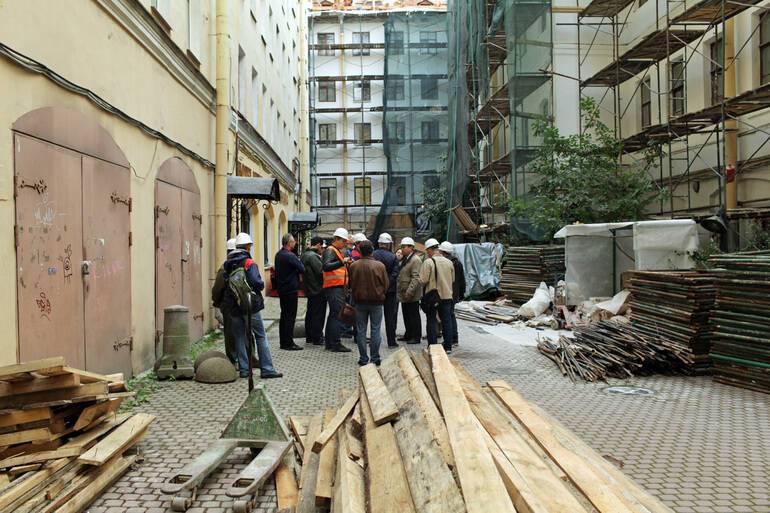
(741, 320)
(61, 441)
(613, 350)
(526, 267)
(486, 313)
(421, 435)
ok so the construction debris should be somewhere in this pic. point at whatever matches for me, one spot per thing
(454, 447)
(61, 441)
(526, 266)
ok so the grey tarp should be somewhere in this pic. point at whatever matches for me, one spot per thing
(482, 267)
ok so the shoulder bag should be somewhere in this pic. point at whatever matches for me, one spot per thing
(432, 298)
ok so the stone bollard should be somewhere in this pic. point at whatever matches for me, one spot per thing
(176, 361)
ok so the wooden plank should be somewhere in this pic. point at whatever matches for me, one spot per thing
(105, 477)
(96, 430)
(349, 495)
(53, 396)
(44, 366)
(309, 473)
(482, 486)
(356, 420)
(422, 364)
(334, 424)
(607, 491)
(27, 483)
(29, 448)
(39, 384)
(61, 452)
(91, 413)
(23, 469)
(17, 417)
(26, 435)
(286, 486)
(355, 446)
(4, 480)
(326, 466)
(92, 377)
(420, 453)
(382, 405)
(388, 487)
(126, 435)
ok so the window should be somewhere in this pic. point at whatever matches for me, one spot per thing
(716, 71)
(362, 133)
(646, 103)
(328, 192)
(764, 48)
(326, 38)
(396, 132)
(396, 43)
(397, 190)
(361, 38)
(243, 77)
(430, 132)
(254, 97)
(327, 132)
(327, 92)
(363, 191)
(427, 38)
(362, 91)
(429, 88)
(194, 25)
(245, 218)
(677, 88)
(394, 89)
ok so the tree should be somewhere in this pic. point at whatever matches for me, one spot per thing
(578, 178)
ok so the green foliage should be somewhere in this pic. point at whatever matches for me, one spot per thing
(209, 341)
(578, 178)
(701, 256)
(757, 238)
(143, 386)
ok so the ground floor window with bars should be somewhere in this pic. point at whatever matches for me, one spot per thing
(327, 189)
(362, 188)
(362, 133)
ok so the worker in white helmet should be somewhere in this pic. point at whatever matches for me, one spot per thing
(384, 253)
(409, 291)
(335, 279)
(355, 251)
(458, 289)
(437, 274)
(217, 294)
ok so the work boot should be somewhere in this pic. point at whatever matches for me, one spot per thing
(404, 338)
(416, 341)
(271, 375)
(394, 344)
(339, 348)
(293, 347)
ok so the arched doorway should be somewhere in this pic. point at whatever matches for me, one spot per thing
(178, 246)
(72, 241)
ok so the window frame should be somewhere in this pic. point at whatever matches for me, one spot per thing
(324, 87)
(361, 51)
(325, 142)
(432, 89)
(646, 103)
(365, 94)
(399, 137)
(327, 194)
(678, 88)
(397, 182)
(390, 89)
(363, 140)
(429, 123)
(330, 41)
(764, 46)
(716, 71)
(428, 36)
(397, 47)
(362, 185)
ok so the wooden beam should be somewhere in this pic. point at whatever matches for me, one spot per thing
(26, 435)
(118, 441)
(421, 363)
(349, 495)
(335, 423)
(382, 405)
(39, 384)
(286, 488)
(96, 430)
(48, 396)
(482, 486)
(61, 452)
(326, 463)
(92, 377)
(106, 476)
(309, 474)
(91, 413)
(17, 417)
(44, 366)
(25, 484)
(388, 487)
(566, 9)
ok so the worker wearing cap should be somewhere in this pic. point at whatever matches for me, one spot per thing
(458, 289)
(335, 279)
(438, 273)
(409, 291)
(384, 253)
(217, 294)
(314, 292)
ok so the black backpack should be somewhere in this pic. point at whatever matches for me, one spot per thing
(249, 301)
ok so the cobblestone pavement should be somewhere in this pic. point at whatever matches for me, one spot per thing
(699, 446)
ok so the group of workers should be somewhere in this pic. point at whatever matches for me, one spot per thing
(351, 286)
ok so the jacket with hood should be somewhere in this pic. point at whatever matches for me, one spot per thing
(314, 279)
(459, 284)
(240, 258)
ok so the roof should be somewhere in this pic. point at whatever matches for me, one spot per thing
(606, 229)
(247, 187)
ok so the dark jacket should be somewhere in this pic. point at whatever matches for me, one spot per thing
(368, 281)
(330, 260)
(390, 262)
(239, 258)
(314, 280)
(459, 284)
(287, 270)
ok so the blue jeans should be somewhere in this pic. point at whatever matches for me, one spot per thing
(444, 311)
(366, 314)
(238, 327)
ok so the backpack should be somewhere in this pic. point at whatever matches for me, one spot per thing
(239, 286)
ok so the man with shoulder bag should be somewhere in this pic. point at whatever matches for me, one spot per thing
(437, 275)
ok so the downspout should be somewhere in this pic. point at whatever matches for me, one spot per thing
(222, 127)
(731, 125)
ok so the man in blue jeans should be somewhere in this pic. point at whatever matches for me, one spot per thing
(368, 286)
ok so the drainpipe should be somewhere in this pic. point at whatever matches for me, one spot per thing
(731, 125)
(222, 128)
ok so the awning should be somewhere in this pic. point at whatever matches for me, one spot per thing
(303, 221)
(247, 187)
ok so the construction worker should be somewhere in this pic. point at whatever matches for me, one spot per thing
(288, 267)
(241, 257)
(314, 292)
(368, 286)
(216, 296)
(355, 252)
(458, 289)
(335, 280)
(409, 291)
(437, 274)
(384, 254)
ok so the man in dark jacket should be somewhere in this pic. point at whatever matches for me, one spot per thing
(458, 289)
(314, 292)
(368, 285)
(335, 274)
(241, 257)
(288, 267)
(385, 255)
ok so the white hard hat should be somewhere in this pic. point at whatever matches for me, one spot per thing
(342, 233)
(230, 244)
(359, 237)
(431, 243)
(242, 239)
(407, 241)
(446, 247)
(385, 238)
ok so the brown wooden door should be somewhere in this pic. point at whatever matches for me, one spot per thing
(49, 251)
(107, 287)
(192, 292)
(168, 258)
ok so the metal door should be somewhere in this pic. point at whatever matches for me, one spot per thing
(168, 257)
(107, 268)
(49, 251)
(192, 292)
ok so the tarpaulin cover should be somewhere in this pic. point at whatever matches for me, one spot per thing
(482, 267)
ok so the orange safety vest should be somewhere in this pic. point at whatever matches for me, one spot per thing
(337, 277)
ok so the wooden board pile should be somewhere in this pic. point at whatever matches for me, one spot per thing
(420, 435)
(613, 350)
(61, 441)
(526, 266)
(741, 321)
(675, 305)
(489, 313)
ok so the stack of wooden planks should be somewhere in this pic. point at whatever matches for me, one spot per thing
(420, 435)
(526, 266)
(61, 440)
